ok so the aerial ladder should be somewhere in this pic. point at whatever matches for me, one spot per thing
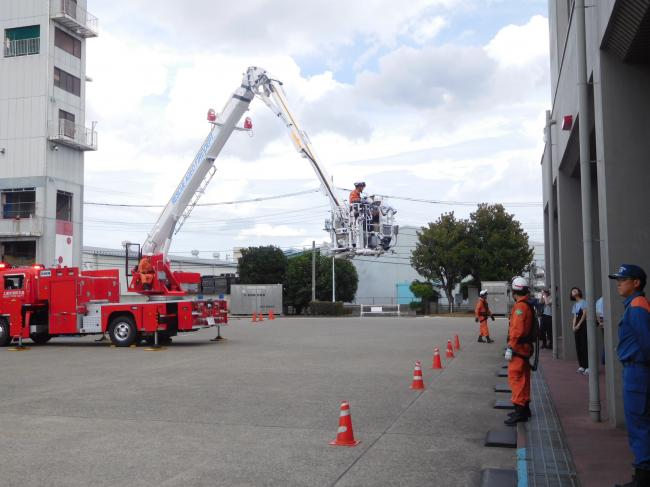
(365, 228)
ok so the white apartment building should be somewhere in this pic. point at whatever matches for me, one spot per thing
(43, 129)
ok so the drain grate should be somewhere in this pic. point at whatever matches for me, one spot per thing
(548, 459)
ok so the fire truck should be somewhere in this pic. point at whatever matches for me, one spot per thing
(41, 303)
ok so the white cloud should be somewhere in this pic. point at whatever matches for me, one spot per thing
(266, 230)
(438, 121)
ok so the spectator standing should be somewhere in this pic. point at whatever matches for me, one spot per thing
(546, 325)
(579, 324)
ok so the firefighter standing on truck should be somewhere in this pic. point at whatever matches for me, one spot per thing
(482, 313)
(519, 351)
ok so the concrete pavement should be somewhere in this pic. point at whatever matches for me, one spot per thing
(256, 409)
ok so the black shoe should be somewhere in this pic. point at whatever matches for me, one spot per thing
(526, 411)
(489, 340)
(641, 477)
(519, 416)
(480, 339)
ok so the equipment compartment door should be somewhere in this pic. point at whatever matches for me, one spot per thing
(63, 307)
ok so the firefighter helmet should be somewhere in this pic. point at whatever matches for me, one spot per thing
(519, 284)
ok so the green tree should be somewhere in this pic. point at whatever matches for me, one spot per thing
(347, 280)
(501, 248)
(443, 252)
(298, 280)
(426, 293)
(262, 265)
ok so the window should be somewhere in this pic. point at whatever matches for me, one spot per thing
(67, 82)
(64, 206)
(69, 44)
(18, 203)
(70, 8)
(18, 253)
(66, 124)
(22, 41)
(14, 282)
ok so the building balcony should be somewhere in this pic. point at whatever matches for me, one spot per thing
(22, 47)
(73, 135)
(30, 226)
(78, 20)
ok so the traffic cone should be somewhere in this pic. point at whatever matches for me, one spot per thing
(418, 383)
(437, 364)
(260, 316)
(450, 350)
(345, 435)
(271, 315)
(456, 342)
(254, 318)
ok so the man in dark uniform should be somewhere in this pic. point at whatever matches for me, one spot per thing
(634, 352)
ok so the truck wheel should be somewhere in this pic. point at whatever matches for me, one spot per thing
(122, 331)
(40, 338)
(5, 337)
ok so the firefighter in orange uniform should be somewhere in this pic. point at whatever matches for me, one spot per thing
(146, 272)
(355, 194)
(519, 350)
(482, 312)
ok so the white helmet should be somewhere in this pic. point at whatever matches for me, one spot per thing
(483, 292)
(519, 284)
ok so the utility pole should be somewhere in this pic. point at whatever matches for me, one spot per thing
(313, 270)
(333, 281)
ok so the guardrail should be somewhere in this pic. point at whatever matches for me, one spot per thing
(22, 47)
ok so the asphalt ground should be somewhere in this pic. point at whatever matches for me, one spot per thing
(259, 408)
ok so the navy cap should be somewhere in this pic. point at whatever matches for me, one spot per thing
(359, 183)
(630, 271)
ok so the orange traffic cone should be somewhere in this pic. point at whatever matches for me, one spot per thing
(437, 364)
(345, 435)
(456, 342)
(271, 315)
(450, 350)
(254, 318)
(260, 316)
(417, 383)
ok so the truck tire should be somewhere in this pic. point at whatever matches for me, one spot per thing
(122, 331)
(5, 337)
(40, 338)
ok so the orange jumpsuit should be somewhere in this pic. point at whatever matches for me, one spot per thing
(355, 196)
(482, 311)
(521, 324)
(146, 271)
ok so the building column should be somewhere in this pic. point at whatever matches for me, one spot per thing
(622, 122)
(570, 260)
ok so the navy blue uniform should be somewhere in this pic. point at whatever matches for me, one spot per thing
(634, 352)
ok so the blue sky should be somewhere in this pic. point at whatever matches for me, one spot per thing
(435, 99)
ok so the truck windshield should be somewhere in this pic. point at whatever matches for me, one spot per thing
(14, 282)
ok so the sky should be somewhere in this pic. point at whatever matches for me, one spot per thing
(440, 100)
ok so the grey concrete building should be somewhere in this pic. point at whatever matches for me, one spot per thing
(616, 111)
(43, 130)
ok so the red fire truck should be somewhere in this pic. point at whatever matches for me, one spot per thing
(41, 303)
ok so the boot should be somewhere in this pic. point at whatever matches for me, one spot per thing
(642, 477)
(480, 339)
(519, 416)
(488, 339)
(526, 411)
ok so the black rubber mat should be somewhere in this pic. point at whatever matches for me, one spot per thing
(506, 438)
(498, 477)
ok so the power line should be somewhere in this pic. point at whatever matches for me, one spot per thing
(220, 203)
